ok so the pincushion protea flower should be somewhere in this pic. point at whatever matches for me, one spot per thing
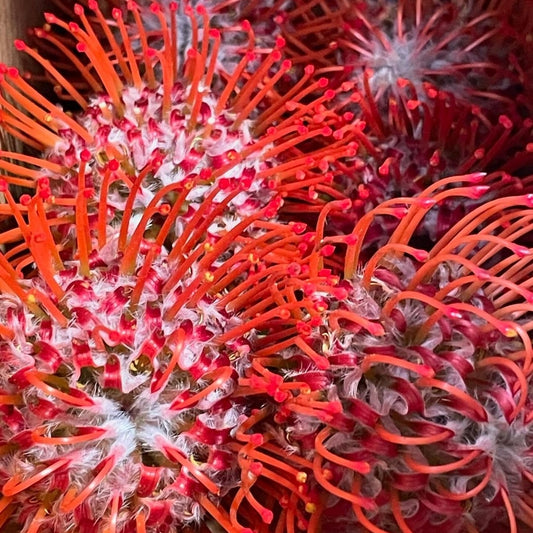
(117, 390)
(133, 275)
(415, 408)
(416, 142)
(473, 49)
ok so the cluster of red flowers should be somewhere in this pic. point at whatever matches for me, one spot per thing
(266, 267)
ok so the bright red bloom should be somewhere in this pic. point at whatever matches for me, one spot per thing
(133, 277)
(413, 377)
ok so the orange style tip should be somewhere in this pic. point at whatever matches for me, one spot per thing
(425, 203)
(285, 314)
(412, 104)
(402, 82)
(256, 468)
(276, 55)
(245, 25)
(173, 6)
(78, 9)
(475, 177)
(505, 121)
(116, 13)
(426, 371)
(214, 33)
(400, 212)
(478, 191)
(309, 69)
(453, 313)
(521, 251)
(327, 250)
(155, 7)
(509, 332)
(257, 439)
(362, 467)
(482, 274)
(344, 205)
(50, 18)
(267, 516)
(20, 44)
(421, 255)
(93, 5)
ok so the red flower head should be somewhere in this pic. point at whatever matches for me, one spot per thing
(410, 380)
(133, 273)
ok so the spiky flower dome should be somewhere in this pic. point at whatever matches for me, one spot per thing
(473, 49)
(415, 143)
(421, 376)
(133, 279)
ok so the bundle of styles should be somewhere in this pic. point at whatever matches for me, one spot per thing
(267, 267)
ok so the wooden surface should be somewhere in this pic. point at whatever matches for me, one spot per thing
(15, 17)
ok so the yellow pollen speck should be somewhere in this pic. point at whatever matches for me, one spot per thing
(193, 460)
(101, 158)
(253, 259)
(510, 333)
(48, 118)
(208, 247)
(310, 508)
(301, 477)
(32, 299)
(209, 277)
(328, 474)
